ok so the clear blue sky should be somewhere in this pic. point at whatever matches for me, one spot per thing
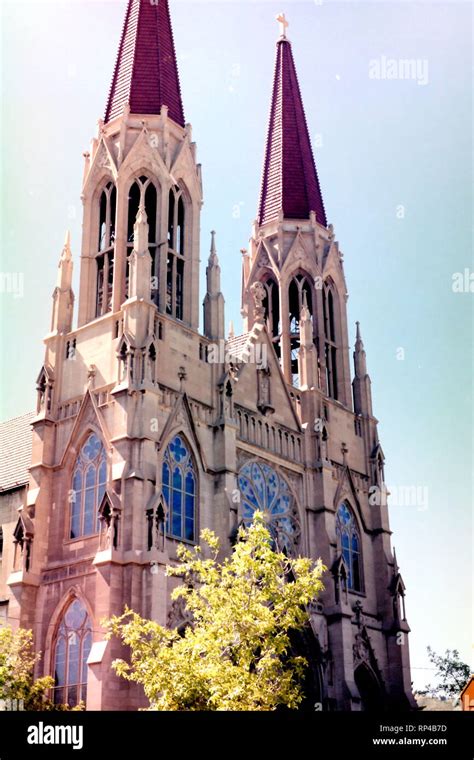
(379, 144)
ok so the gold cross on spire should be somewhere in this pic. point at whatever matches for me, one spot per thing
(281, 18)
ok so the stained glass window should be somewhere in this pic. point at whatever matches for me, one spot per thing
(349, 538)
(179, 490)
(263, 489)
(73, 645)
(88, 487)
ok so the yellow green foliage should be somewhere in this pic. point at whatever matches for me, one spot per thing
(236, 654)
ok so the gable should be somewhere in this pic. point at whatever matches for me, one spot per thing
(246, 389)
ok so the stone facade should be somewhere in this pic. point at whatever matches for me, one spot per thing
(136, 374)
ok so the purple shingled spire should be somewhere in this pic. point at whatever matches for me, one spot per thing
(290, 180)
(146, 73)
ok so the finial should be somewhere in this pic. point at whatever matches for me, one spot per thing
(66, 252)
(231, 329)
(359, 343)
(305, 312)
(213, 242)
(281, 18)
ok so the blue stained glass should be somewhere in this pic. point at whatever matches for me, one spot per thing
(178, 451)
(189, 506)
(348, 536)
(179, 490)
(90, 477)
(176, 511)
(102, 474)
(60, 664)
(89, 483)
(76, 517)
(73, 658)
(189, 482)
(177, 479)
(77, 481)
(259, 484)
(263, 489)
(86, 648)
(72, 648)
(89, 513)
(189, 529)
(91, 448)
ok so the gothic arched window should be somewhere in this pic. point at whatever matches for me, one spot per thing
(105, 250)
(263, 489)
(143, 190)
(348, 535)
(330, 335)
(72, 648)
(299, 292)
(176, 253)
(179, 483)
(88, 487)
(271, 305)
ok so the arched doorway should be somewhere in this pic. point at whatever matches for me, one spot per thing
(304, 644)
(371, 696)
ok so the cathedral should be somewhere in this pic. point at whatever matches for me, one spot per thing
(148, 430)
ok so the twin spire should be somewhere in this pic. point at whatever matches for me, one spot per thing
(146, 73)
(146, 78)
(290, 184)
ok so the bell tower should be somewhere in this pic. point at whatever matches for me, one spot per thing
(142, 161)
(293, 252)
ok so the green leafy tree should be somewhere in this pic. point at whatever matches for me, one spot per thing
(451, 672)
(17, 663)
(236, 654)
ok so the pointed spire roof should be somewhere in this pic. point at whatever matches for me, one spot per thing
(290, 181)
(146, 73)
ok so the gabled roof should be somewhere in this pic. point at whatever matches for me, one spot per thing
(146, 73)
(290, 181)
(15, 451)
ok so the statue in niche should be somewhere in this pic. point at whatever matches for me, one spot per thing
(259, 294)
(264, 391)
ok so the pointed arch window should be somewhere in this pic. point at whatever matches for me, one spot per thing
(176, 254)
(330, 335)
(299, 291)
(271, 305)
(348, 536)
(105, 250)
(72, 648)
(88, 487)
(179, 484)
(263, 489)
(144, 189)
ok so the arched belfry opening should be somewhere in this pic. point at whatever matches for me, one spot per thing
(331, 338)
(143, 191)
(271, 305)
(105, 254)
(175, 261)
(300, 293)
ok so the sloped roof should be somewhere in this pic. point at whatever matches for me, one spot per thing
(15, 451)
(236, 346)
(146, 73)
(290, 181)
